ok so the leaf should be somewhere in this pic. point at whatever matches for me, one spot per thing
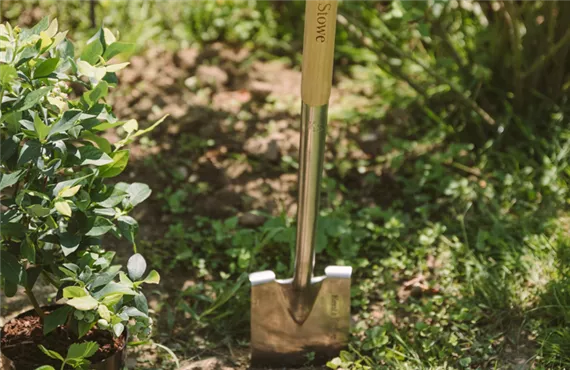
(10, 268)
(128, 227)
(30, 150)
(138, 192)
(28, 251)
(92, 52)
(152, 278)
(112, 299)
(131, 126)
(45, 367)
(100, 227)
(92, 155)
(141, 303)
(101, 142)
(63, 208)
(36, 210)
(10, 289)
(68, 183)
(56, 318)
(104, 312)
(68, 192)
(83, 327)
(69, 242)
(117, 48)
(7, 75)
(52, 29)
(95, 74)
(46, 67)
(120, 160)
(74, 292)
(224, 297)
(50, 353)
(118, 329)
(32, 99)
(82, 350)
(99, 92)
(116, 67)
(105, 277)
(136, 266)
(9, 179)
(40, 127)
(85, 303)
(112, 198)
(67, 121)
(114, 288)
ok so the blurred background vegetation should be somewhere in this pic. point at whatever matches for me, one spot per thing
(455, 216)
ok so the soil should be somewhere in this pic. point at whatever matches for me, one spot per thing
(22, 335)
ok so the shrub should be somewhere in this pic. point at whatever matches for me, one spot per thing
(57, 202)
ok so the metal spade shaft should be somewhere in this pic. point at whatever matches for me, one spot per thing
(311, 157)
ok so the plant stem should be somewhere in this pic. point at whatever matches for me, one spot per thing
(35, 303)
(551, 53)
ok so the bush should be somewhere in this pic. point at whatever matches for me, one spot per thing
(57, 203)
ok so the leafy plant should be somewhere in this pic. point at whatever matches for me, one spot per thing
(77, 355)
(57, 202)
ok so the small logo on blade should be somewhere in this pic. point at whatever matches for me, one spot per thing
(335, 305)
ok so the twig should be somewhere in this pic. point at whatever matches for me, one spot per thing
(463, 98)
(551, 53)
(35, 303)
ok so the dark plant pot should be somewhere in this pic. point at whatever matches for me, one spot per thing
(115, 362)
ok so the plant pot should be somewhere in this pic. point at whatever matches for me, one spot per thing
(114, 362)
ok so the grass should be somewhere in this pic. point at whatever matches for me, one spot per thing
(458, 230)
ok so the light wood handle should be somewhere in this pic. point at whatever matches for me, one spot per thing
(318, 51)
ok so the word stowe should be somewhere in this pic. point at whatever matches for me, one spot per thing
(322, 14)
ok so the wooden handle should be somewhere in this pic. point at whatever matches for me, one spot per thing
(318, 51)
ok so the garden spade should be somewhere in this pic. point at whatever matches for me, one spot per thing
(305, 319)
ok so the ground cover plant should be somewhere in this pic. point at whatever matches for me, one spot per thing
(446, 184)
(57, 202)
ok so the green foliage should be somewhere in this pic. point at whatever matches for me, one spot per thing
(77, 355)
(56, 202)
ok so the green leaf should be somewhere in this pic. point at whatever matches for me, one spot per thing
(105, 277)
(67, 183)
(128, 227)
(89, 154)
(45, 367)
(152, 278)
(141, 303)
(131, 126)
(32, 99)
(10, 268)
(114, 288)
(56, 318)
(138, 192)
(74, 292)
(50, 353)
(68, 192)
(120, 160)
(67, 121)
(136, 266)
(40, 127)
(37, 210)
(10, 289)
(84, 303)
(104, 312)
(30, 150)
(227, 295)
(82, 350)
(83, 327)
(63, 208)
(101, 142)
(117, 48)
(69, 242)
(28, 251)
(107, 125)
(118, 329)
(9, 179)
(92, 52)
(46, 67)
(99, 92)
(7, 75)
(100, 227)
(40, 26)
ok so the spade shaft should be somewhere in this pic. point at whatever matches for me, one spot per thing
(311, 155)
